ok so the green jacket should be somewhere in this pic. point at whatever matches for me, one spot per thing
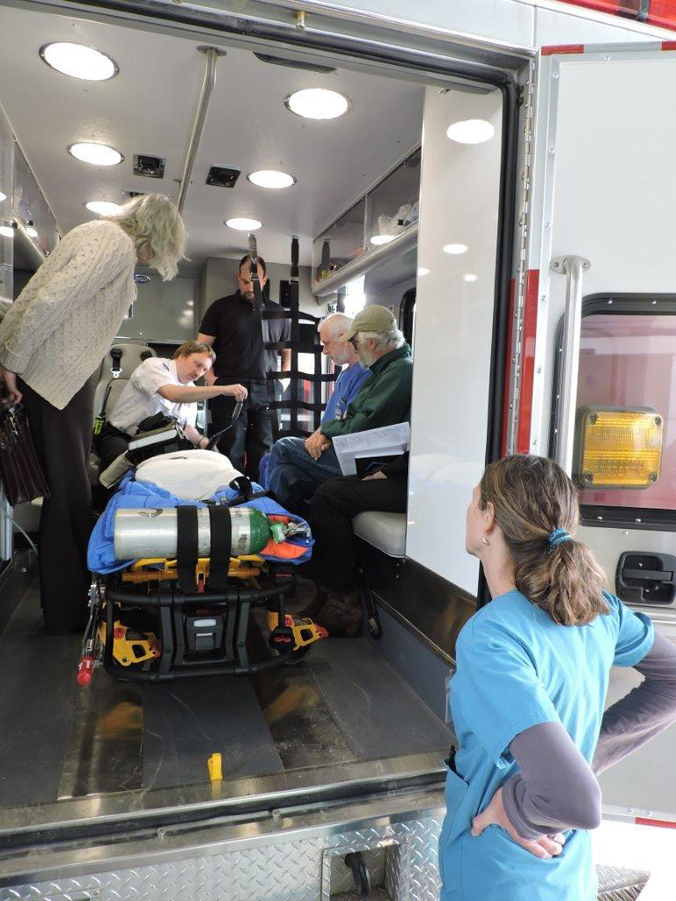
(385, 398)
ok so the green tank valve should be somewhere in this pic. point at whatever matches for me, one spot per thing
(278, 532)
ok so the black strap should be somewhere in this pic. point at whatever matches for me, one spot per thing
(186, 547)
(221, 545)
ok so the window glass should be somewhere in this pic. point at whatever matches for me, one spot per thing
(628, 362)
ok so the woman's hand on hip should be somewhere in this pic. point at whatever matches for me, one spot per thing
(544, 847)
(9, 379)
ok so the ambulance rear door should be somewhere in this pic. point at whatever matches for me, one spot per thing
(594, 337)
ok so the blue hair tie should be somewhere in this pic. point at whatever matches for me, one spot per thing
(557, 537)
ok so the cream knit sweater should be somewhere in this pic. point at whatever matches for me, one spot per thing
(57, 331)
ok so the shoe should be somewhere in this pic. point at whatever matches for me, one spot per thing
(341, 614)
(316, 604)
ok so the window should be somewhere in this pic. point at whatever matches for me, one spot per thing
(627, 374)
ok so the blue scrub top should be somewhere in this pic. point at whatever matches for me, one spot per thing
(517, 668)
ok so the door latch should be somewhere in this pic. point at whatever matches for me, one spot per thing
(646, 578)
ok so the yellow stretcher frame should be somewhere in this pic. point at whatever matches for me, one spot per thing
(158, 569)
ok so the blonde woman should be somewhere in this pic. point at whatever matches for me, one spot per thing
(528, 696)
(51, 342)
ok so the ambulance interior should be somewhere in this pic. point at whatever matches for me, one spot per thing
(361, 712)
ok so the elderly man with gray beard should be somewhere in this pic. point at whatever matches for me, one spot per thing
(298, 469)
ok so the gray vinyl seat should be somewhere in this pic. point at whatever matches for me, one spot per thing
(384, 531)
(110, 386)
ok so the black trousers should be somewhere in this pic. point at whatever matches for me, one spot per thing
(331, 510)
(62, 440)
(110, 444)
(251, 434)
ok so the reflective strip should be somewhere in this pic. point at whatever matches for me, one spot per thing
(562, 48)
(663, 824)
(529, 329)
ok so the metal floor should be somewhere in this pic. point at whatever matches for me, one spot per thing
(340, 705)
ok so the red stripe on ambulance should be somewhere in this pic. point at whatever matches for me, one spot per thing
(562, 48)
(530, 321)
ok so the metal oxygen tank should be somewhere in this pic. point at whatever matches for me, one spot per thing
(152, 531)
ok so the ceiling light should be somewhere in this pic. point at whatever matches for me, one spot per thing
(103, 207)
(31, 232)
(6, 231)
(455, 248)
(79, 61)
(317, 103)
(270, 178)
(470, 277)
(96, 154)
(2, 197)
(470, 131)
(422, 271)
(382, 239)
(244, 225)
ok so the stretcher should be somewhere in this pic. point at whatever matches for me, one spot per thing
(160, 633)
(176, 585)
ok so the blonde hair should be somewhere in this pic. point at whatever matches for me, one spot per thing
(194, 347)
(157, 229)
(532, 498)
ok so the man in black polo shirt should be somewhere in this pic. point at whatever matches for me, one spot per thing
(233, 327)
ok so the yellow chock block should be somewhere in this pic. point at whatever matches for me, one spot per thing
(214, 766)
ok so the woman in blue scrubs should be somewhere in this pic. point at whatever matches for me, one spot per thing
(528, 695)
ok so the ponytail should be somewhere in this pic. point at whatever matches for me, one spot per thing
(536, 506)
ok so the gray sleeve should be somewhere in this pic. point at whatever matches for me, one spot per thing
(555, 790)
(644, 712)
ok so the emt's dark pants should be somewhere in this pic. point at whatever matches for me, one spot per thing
(251, 434)
(110, 444)
(332, 507)
(62, 439)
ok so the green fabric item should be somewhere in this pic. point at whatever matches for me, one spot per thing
(385, 399)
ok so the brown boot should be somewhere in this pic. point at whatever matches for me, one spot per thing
(316, 604)
(341, 614)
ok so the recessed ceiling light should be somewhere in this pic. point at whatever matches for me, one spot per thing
(243, 224)
(382, 239)
(470, 277)
(2, 197)
(31, 232)
(6, 231)
(470, 131)
(270, 178)
(96, 154)
(79, 61)
(103, 207)
(455, 248)
(317, 103)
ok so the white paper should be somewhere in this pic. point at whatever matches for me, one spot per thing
(386, 441)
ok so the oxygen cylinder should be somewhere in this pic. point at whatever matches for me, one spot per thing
(151, 532)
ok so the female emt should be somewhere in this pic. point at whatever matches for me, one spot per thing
(52, 340)
(528, 695)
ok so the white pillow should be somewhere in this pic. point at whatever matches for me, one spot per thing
(192, 475)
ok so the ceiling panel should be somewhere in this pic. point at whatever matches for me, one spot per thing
(149, 108)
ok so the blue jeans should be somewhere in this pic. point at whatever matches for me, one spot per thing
(293, 475)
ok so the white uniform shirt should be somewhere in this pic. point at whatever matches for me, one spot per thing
(140, 397)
